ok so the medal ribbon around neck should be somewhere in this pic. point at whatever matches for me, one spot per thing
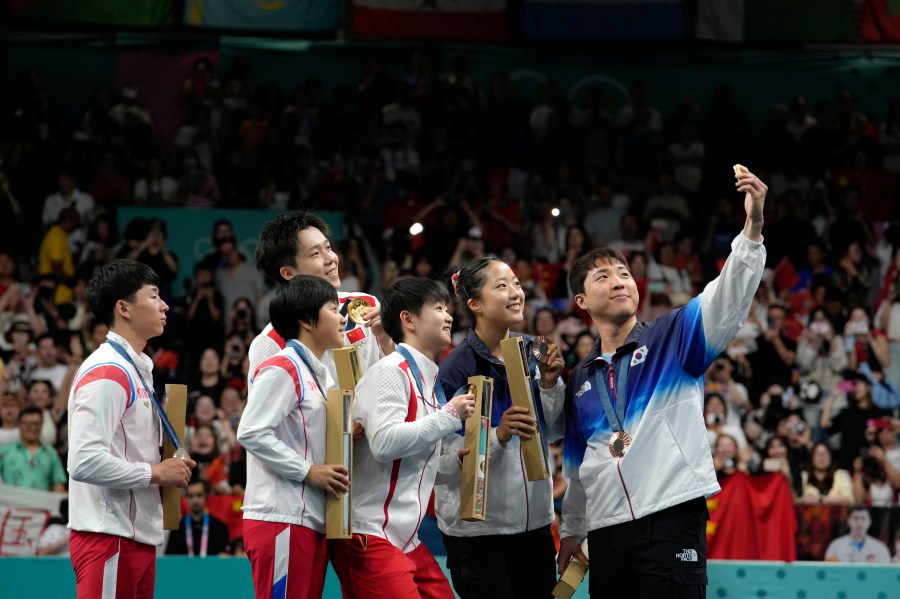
(615, 416)
(167, 426)
(302, 353)
(438, 390)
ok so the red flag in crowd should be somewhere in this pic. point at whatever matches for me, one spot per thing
(752, 518)
(785, 275)
(801, 302)
(775, 517)
(227, 508)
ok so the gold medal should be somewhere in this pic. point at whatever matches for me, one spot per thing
(618, 444)
(356, 310)
(540, 348)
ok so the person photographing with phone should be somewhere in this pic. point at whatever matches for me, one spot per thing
(821, 353)
(773, 361)
(719, 379)
(775, 458)
(863, 344)
(718, 423)
(796, 435)
(876, 477)
(726, 458)
(884, 433)
(851, 421)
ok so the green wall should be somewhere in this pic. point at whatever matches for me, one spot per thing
(189, 231)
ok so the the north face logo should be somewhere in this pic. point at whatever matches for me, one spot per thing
(639, 355)
(687, 555)
(584, 389)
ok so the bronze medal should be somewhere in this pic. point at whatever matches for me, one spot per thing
(618, 444)
(356, 310)
(540, 348)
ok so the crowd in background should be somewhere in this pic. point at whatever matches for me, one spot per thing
(809, 387)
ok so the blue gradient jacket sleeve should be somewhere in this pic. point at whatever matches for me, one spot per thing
(575, 441)
(712, 319)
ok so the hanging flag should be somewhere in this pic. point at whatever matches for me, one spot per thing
(778, 20)
(752, 518)
(775, 518)
(730, 531)
(226, 508)
(881, 21)
(23, 515)
(430, 19)
(283, 15)
(100, 12)
(611, 19)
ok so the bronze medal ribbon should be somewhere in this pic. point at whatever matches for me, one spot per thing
(614, 406)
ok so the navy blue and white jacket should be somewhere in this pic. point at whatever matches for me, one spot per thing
(514, 504)
(668, 461)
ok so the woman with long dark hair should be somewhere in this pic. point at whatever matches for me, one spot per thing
(822, 481)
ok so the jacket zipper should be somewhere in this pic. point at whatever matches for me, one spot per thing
(525, 480)
(612, 388)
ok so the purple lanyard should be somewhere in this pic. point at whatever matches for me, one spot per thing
(189, 535)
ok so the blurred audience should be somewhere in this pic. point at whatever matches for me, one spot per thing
(475, 167)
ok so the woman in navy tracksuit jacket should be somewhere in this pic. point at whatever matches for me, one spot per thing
(511, 553)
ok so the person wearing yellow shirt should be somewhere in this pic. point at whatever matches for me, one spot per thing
(55, 257)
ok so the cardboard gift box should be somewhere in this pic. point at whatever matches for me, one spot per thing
(339, 450)
(346, 362)
(519, 379)
(176, 407)
(571, 577)
(339, 439)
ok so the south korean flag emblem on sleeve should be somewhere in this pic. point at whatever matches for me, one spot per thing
(639, 355)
